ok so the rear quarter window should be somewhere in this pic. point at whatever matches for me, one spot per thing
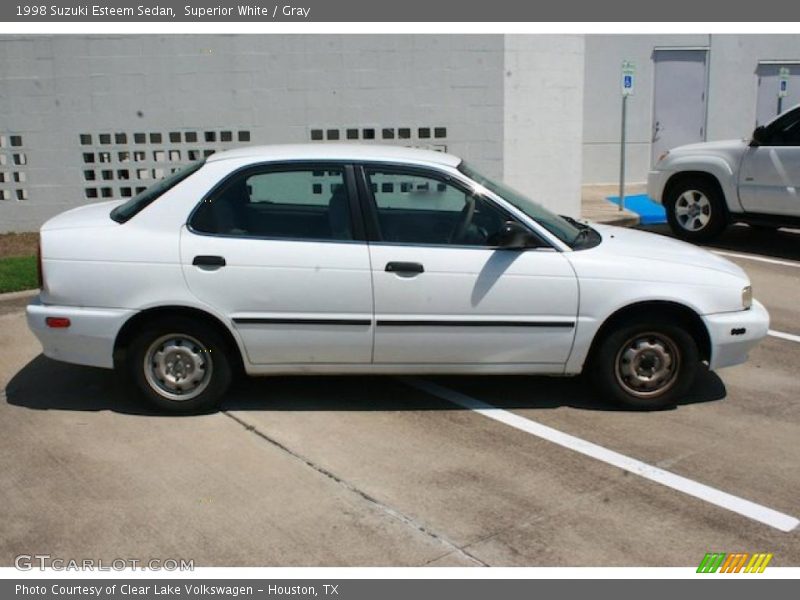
(125, 212)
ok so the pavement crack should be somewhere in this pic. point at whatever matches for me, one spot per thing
(452, 547)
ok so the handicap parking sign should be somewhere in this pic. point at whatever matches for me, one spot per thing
(628, 77)
(783, 82)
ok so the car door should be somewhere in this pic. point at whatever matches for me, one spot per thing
(444, 293)
(280, 251)
(769, 177)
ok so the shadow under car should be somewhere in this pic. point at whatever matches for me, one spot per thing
(45, 384)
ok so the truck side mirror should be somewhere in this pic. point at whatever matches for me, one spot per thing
(759, 137)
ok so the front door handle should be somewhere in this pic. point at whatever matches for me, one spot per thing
(404, 267)
(209, 261)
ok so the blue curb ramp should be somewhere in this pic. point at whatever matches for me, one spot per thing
(650, 213)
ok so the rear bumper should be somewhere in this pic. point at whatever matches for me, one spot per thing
(656, 180)
(734, 334)
(89, 340)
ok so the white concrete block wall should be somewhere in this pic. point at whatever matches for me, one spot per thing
(276, 88)
(543, 118)
(516, 106)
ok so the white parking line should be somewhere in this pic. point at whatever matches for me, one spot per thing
(772, 261)
(784, 336)
(751, 510)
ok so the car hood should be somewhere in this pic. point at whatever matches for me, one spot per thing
(705, 147)
(90, 215)
(623, 242)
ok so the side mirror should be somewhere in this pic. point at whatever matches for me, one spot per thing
(759, 136)
(513, 236)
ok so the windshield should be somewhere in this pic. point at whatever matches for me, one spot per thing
(132, 207)
(568, 232)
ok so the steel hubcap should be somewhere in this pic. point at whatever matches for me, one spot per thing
(647, 364)
(693, 210)
(178, 366)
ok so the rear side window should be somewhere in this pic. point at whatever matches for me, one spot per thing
(139, 202)
(305, 203)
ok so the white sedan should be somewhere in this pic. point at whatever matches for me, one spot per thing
(368, 259)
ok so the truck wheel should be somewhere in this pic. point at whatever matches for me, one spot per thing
(180, 365)
(695, 210)
(645, 365)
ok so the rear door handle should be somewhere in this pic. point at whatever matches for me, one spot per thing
(209, 261)
(404, 267)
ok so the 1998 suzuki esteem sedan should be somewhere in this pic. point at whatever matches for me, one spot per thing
(369, 259)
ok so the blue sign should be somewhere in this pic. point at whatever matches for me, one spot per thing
(628, 77)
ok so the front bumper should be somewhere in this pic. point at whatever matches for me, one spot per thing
(656, 181)
(734, 334)
(89, 340)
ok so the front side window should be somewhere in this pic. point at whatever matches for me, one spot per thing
(564, 229)
(294, 203)
(785, 130)
(415, 208)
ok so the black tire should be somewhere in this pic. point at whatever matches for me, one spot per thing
(608, 368)
(194, 356)
(705, 206)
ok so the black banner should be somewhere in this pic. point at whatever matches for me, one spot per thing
(732, 588)
(407, 11)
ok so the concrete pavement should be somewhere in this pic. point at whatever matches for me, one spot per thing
(595, 206)
(370, 471)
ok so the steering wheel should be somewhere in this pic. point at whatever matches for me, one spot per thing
(463, 222)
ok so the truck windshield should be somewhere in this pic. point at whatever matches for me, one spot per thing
(140, 201)
(566, 230)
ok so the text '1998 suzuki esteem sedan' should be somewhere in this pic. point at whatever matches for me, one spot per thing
(338, 259)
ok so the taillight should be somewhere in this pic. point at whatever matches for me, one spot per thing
(39, 271)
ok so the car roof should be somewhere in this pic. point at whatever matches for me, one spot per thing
(326, 151)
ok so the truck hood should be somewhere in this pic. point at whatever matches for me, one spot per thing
(623, 242)
(90, 215)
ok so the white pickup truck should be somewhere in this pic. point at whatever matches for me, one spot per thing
(705, 187)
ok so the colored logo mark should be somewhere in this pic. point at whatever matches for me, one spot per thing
(736, 562)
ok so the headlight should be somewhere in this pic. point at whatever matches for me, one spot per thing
(663, 156)
(747, 297)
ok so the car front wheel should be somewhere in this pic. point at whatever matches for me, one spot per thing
(645, 365)
(695, 210)
(180, 365)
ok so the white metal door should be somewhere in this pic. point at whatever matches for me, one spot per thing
(769, 178)
(679, 104)
(292, 301)
(275, 252)
(769, 104)
(445, 295)
(473, 305)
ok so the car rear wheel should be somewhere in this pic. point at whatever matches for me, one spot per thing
(180, 365)
(695, 210)
(645, 365)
